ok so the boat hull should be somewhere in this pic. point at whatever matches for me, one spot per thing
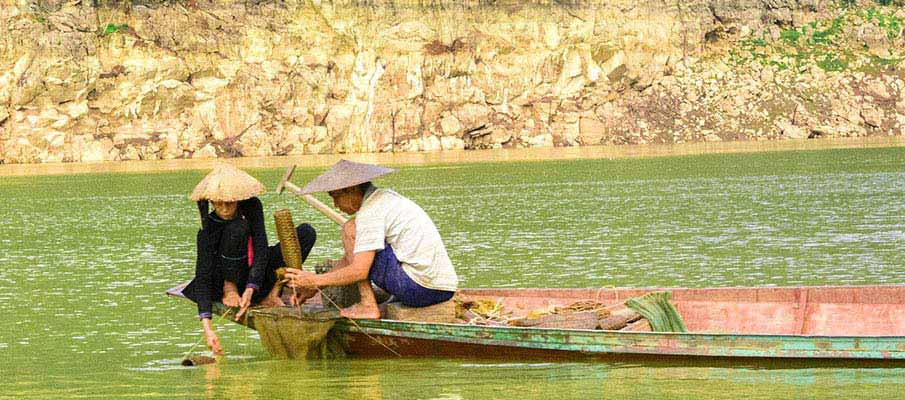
(842, 325)
(374, 338)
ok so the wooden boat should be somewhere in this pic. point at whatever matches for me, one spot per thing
(843, 325)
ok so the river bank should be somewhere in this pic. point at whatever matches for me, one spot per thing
(460, 156)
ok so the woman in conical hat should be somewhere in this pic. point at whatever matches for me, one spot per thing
(233, 255)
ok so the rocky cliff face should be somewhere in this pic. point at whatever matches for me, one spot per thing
(197, 79)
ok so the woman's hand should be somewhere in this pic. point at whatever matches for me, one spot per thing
(301, 279)
(213, 342)
(245, 302)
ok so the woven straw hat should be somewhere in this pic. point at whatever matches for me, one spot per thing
(227, 183)
(345, 174)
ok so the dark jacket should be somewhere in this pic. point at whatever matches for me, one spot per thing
(207, 286)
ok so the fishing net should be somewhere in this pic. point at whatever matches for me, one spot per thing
(292, 333)
(661, 314)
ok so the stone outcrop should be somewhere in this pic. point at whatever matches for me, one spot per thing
(158, 79)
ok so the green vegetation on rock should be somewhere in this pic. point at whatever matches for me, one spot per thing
(860, 39)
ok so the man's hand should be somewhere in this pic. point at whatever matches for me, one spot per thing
(245, 302)
(301, 279)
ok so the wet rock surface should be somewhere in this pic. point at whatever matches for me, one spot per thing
(162, 80)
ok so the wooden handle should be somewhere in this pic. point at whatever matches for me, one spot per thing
(329, 212)
(313, 202)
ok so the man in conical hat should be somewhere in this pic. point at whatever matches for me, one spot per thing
(390, 241)
(233, 255)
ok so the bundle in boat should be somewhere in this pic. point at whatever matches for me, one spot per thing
(578, 315)
(658, 311)
(619, 318)
(292, 333)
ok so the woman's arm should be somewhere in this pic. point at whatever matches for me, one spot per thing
(203, 268)
(204, 210)
(213, 342)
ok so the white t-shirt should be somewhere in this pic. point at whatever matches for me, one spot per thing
(387, 217)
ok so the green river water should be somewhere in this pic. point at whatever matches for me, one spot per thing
(86, 260)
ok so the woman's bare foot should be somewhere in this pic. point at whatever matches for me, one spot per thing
(231, 299)
(360, 311)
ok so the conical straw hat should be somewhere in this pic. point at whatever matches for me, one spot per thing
(345, 174)
(227, 183)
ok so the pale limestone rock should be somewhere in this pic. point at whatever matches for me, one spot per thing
(320, 134)
(571, 65)
(210, 85)
(872, 116)
(338, 120)
(254, 143)
(569, 132)
(228, 116)
(499, 135)
(207, 151)
(450, 126)
(296, 138)
(591, 131)
(878, 89)
(75, 110)
(130, 153)
(551, 35)
(54, 138)
(430, 143)
(23, 83)
(472, 116)
(544, 140)
(20, 150)
(451, 143)
(612, 66)
(88, 149)
(170, 146)
(147, 65)
(318, 148)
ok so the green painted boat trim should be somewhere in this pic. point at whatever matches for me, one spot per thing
(615, 342)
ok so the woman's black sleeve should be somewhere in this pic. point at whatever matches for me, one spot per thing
(203, 288)
(253, 211)
(204, 210)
